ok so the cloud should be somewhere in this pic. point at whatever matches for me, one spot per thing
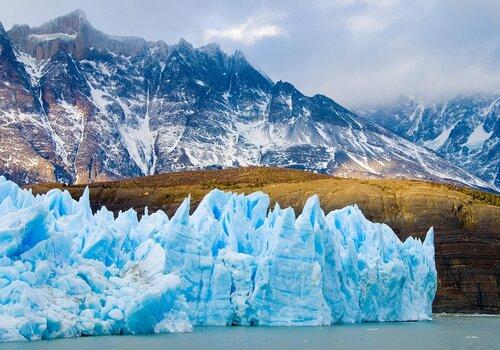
(370, 17)
(366, 24)
(428, 78)
(252, 30)
(367, 52)
(359, 52)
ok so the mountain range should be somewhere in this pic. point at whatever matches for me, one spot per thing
(78, 105)
(465, 130)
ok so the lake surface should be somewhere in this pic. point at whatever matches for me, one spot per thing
(445, 332)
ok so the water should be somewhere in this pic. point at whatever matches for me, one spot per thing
(445, 332)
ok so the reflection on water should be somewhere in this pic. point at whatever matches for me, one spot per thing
(445, 332)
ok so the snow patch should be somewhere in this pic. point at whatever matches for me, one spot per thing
(477, 138)
(53, 36)
(440, 139)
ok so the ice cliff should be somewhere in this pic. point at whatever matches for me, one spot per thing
(66, 272)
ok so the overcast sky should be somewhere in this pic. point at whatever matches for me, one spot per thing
(359, 52)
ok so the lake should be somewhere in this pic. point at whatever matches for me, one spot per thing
(445, 332)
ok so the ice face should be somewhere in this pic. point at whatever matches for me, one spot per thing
(67, 272)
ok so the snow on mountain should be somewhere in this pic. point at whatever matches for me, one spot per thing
(464, 130)
(54, 36)
(101, 107)
(67, 272)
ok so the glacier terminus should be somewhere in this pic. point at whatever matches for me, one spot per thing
(67, 272)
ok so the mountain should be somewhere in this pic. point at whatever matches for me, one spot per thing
(465, 130)
(79, 106)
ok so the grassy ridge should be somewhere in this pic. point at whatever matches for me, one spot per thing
(167, 190)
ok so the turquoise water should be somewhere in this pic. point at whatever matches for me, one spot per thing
(445, 332)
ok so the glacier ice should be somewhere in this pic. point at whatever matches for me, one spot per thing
(66, 272)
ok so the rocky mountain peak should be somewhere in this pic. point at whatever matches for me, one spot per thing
(183, 48)
(72, 23)
(78, 13)
(239, 58)
(72, 33)
(285, 87)
(183, 44)
(213, 48)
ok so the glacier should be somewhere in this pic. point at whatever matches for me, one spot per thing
(66, 271)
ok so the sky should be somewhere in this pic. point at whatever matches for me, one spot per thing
(361, 53)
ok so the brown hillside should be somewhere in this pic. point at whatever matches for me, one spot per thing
(466, 222)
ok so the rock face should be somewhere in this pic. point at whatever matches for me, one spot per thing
(80, 106)
(466, 223)
(465, 130)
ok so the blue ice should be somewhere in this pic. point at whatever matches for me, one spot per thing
(68, 272)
